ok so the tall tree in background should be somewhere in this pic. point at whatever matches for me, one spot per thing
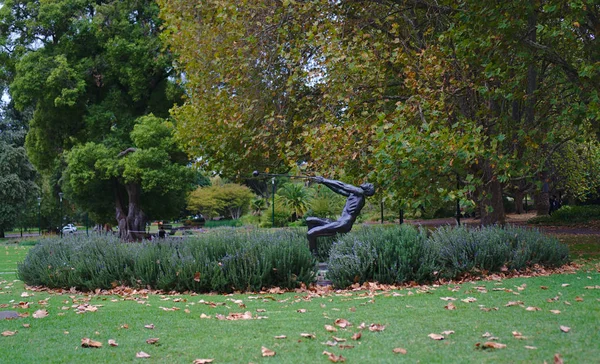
(91, 71)
(436, 101)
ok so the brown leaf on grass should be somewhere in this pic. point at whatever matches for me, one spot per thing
(26, 326)
(267, 352)
(356, 336)
(565, 328)
(488, 309)
(532, 308)
(450, 306)
(343, 323)
(518, 335)
(309, 336)
(556, 312)
(89, 343)
(362, 326)
(376, 327)
(203, 361)
(346, 346)
(9, 333)
(204, 316)
(141, 354)
(399, 351)
(125, 326)
(330, 328)
(578, 299)
(544, 287)
(513, 303)
(301, 310)
(112, 342)
(558, 359)
(490, 345)
(330, 343)
(469, 299)
(261, 310)
(447, 332)
(281, 337)
(24, 305)
(334, 358)
(40, 314)
(436, 336)
(239, 316)
(338, 339)
(530, 347)
(152, 340)
(149, 326)
(197, 276)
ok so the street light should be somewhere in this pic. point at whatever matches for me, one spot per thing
(60, 196)
(39, 215)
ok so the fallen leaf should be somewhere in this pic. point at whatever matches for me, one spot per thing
(89, 343)
(450, 306)
(558, 359)
(112, 342)
(532, 308)
(26, 326)
(346, 346)
(338, 339)
(556, 312)
(197, 276)
(330, 328)
(204, 316)
(334, 358)
(343, 323)
(530, 347)
(491, 345)
(399, 351)
(330, 343)
(150, 326)
(518, 335)
(565, 328)
(565, 285)
(513, 303)
(436, 336)
(469, 300)
(267, 352)
(152, 340)
(578, 299)
(301, 310)
(309, 336)
(544, 287)
(448, 298)
(40, 314)
(281, 337)
(141, 354)
(203, 361)
(376, 327)
(447, 332)
(356, 336)
(8, 333)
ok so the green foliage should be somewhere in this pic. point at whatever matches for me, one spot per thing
(230, 199)
(295, 197)
(282, 215)
(325, 203)
(17, 184)
(224, 260)
(400, 254)
(569, 215)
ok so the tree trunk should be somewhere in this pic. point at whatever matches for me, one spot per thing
(2, 233)
(518, 196)
(136, 218)
(491, 206)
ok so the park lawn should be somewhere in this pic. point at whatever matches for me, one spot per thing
(409, 315)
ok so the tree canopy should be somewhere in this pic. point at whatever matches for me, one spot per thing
(434, 101)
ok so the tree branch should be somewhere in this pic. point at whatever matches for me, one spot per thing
(126, 151)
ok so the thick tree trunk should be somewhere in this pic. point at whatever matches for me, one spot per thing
(2, 233)
(136, 218)
(491, 206)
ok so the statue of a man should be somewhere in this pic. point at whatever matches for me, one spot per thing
(355, 202)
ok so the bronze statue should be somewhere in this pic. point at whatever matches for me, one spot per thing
(355, 202)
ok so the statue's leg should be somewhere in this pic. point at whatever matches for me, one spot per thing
(312, 222)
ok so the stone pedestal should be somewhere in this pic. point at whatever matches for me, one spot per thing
(322, 275)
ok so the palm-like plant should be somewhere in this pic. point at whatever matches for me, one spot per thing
(295, 197)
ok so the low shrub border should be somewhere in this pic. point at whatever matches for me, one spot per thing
(228, 260)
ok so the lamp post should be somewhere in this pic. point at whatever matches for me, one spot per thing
(39, 199)
(273, 203)
(60, 196)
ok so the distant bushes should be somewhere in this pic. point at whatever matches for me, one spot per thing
(400, 254)
(225, 260)
(569, 215)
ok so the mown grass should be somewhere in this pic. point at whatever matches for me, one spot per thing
(409, 316)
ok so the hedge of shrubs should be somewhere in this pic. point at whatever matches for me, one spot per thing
(569, 215)
(403, 254)
(224, 260)
(228, 260)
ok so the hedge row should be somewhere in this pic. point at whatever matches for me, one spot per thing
(225, 260)
(228, 260)
(402, 254)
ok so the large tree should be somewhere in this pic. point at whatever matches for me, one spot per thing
(91, 71)
(435, 101)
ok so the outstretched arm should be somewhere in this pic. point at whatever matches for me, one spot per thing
(340, 187)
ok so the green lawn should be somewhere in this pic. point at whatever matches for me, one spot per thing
(409, 316)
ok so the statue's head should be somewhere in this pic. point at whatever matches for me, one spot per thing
(368, 188)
